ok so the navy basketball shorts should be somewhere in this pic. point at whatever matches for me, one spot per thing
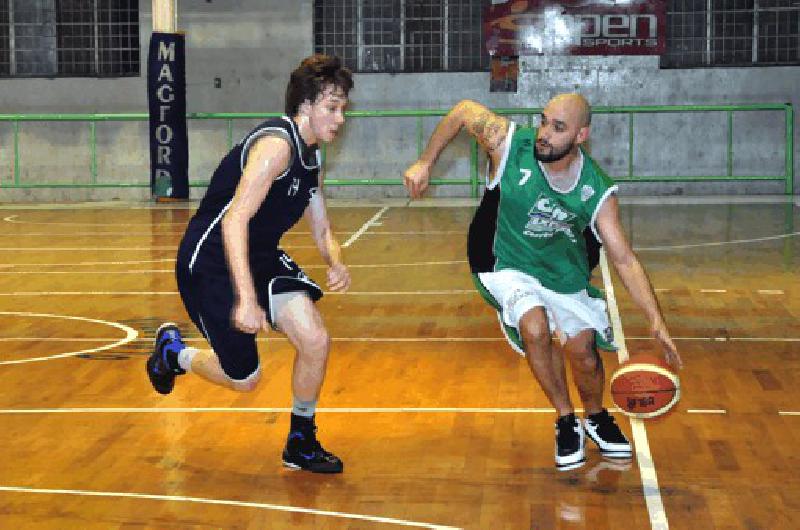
(208, 296)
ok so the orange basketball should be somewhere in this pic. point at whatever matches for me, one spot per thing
(645, 386)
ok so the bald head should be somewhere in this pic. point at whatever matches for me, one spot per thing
(563, 129)
(572, 107)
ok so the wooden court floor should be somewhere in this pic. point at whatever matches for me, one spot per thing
(438, 421)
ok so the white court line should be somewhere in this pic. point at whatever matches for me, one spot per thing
(647, 467)
(417, 233)
(289, 234)
(270, 410)
(365, 227)
(766, 339)
(90, 234)
(13, 219)
(134, 262)
(355, 266)
(272, 338)
(224, 502)
(84, 249)
(130, 335)
(771, 291)
(718, 243)
(84, 273)
(153, 293)
(134, 234)
(449, 292)
(115, 249)
(729, 339)
(788, 413)
(707, 411)
(713, 290)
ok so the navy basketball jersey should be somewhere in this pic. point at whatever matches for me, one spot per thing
(283, 206)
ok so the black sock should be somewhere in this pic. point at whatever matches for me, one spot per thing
(301, 423)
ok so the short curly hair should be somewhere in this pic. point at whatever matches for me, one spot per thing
(312, 77)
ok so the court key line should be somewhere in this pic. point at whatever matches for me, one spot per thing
(647, 467)
(225, 502)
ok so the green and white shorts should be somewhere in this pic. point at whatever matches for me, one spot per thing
(513, 293)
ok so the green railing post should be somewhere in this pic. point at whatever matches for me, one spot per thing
(16, 154)
(730, 143)
(630, 144)
(419, 136)
(93, 148)
(473, 168)
(789, 149)
(788, 228)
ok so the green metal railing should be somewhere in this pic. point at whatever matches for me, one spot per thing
(473, 180)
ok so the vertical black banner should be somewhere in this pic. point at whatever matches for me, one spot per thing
(166, 94)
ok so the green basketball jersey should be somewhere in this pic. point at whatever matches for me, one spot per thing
(539, 229)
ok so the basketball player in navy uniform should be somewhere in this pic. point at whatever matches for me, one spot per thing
(233, 277)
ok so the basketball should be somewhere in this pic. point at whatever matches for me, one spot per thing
(645, 386)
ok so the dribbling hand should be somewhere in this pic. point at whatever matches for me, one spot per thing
(671, 355)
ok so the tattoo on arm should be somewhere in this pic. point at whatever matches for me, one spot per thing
(489, 129)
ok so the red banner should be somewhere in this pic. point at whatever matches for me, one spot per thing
(575, 27)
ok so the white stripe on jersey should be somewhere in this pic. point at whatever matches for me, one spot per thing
(297, 140)
(205, 235)
(259, 134)
(498, 173)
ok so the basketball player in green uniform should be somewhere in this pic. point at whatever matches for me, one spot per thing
(529, 261)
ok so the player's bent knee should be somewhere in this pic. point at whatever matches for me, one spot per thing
(248, 384)
(534, 331)
(317, 343)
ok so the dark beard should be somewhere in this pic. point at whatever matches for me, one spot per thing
(554, 156)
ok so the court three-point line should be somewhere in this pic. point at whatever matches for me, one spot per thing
(223, 502)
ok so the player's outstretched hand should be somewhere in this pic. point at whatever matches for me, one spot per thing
(249, 317)
(338, 278)
(671, 355)
(416, 178)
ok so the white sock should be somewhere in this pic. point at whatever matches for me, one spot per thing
(185, 358)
